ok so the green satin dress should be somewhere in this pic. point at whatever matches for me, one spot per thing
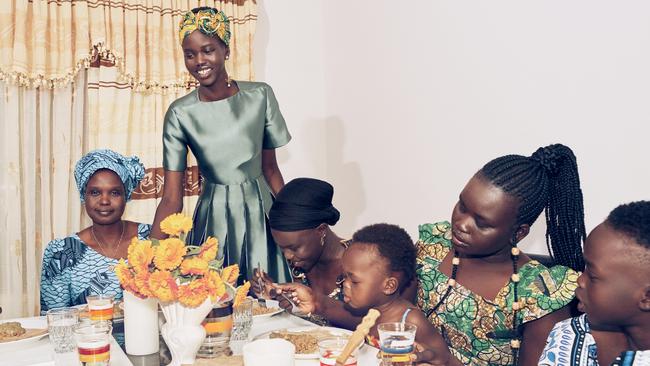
(227, 137)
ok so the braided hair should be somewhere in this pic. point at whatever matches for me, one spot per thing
(547, 180)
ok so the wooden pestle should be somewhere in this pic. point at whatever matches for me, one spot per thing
(358, 336)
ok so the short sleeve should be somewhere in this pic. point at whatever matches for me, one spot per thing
(174, 143)
(143, 231)
(276, 133)
(547, 290)
(55, 280)
(551, 353)
(569, 343)
(433, 242)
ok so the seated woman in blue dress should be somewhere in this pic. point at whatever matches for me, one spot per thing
(82, 264)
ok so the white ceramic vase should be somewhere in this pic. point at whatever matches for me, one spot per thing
(140, 325)
(183, 331)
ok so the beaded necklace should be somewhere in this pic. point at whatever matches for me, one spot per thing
(514, 334)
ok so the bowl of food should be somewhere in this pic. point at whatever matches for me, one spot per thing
(306, 339)
(21, 332)
(266, 309)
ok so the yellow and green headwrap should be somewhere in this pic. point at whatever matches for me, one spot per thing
(209, 21)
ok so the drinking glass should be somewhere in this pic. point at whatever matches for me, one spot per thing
(242, 320)
(100, 307)
(218, 326)
(330, 348)
(60, 322)
(93, 342)
(396, 341)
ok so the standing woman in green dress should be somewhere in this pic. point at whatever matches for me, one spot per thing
(232, 128)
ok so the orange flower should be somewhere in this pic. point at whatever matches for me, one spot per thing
(194, 266)
(140, 253)
(141, 283)
(230, 274)
(124, 274)
(176, 224)
(163, 286)
(140, 269)
(169, 254)
(241, 293)
(192, 294)
(215, 285)
(209, 249)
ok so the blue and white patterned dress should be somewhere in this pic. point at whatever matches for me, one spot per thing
(570, 343)
(72, 270)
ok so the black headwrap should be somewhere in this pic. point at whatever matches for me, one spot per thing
(303, 203)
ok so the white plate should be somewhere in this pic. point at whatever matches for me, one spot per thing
(270, 305)
(31, 323)
(334, 332)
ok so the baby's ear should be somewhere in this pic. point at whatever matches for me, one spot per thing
(391, 284)
(644, 303)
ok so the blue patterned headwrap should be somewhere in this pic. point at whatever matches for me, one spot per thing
(129, 169)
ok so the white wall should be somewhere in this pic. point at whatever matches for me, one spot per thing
(398, 103)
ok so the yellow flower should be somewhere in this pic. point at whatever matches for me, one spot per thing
(141, 283)
(194, 266)
(241, 293)
(230, 274)
(209, 249)
(215, 285)
(140, 253)
(163, 286)
(192, 294)
(169, 254)
(176, 224)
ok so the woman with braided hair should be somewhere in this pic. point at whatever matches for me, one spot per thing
(492, 303)
(232, 128)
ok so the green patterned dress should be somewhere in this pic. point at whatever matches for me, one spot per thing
(468, 321)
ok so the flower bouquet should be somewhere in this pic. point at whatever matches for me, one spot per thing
(187, 280)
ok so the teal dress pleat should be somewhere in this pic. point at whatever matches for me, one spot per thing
(227, 138)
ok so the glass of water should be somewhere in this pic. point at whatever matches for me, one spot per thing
(60, 323)
(242, 320)
(396, 341)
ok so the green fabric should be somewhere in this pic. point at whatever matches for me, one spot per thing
(466, 318)
(227, 138)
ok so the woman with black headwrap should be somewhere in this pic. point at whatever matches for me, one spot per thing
(300, 221)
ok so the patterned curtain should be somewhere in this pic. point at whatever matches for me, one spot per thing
(41, 134)
(113, 67)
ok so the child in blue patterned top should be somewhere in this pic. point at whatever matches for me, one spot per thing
(82, 264)
(614, 293)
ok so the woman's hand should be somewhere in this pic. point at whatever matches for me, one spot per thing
(262, 284)
(300, 295)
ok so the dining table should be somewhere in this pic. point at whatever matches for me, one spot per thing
(41, 353)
